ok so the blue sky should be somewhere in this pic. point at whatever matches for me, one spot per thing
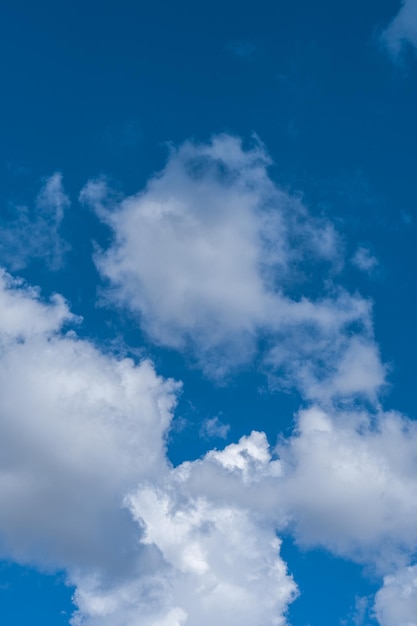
(207, 313)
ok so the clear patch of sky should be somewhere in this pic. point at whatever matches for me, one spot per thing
(30, 597)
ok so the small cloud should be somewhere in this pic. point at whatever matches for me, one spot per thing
(35, 232)
(214, 428)
(359, 614)
(363, 260)
(361, 610)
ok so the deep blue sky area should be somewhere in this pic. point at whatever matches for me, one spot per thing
(101, 88)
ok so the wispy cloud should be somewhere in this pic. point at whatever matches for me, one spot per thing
(214, 427)
(364, 260)
(402, 31)
(34, 234)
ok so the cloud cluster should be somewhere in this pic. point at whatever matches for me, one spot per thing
(86, 485)
(74, 448)
(212, 257)
(343, 481)
(35, 233)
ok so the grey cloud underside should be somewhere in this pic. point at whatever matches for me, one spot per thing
(78, 428)
(206, 257)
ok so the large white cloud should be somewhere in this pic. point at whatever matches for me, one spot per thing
(219, 564)
(209, 548)
(212, 255)
(193, 252)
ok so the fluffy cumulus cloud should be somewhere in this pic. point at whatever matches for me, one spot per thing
(207, 554)
(207, 257)
(217, 564)
(339, 482)
(343, 481)
(35, 232)
(403, 29)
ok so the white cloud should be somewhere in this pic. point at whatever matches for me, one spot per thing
(361, 611)
(341, 482)
(206, 256)
(345, 481)
(214, 427)
(364, 260)
(396, 602)
(219, 564)
(210, 552)
(403, 28)
(349, 482)
(188, 252)
(225, 564)
(211, 555)
(328, 351)
(35, 234)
